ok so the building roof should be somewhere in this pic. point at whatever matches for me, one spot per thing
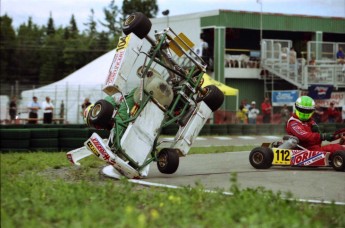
(274, 21)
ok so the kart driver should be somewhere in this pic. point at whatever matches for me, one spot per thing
(302, 126)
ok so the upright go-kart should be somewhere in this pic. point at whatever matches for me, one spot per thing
(289, 153)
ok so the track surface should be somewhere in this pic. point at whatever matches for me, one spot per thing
(213, 171)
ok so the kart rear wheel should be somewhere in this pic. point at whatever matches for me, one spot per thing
(138, 24)
(100, 116)
(261, 157)
(168, 161)
(214, 97)
(338, 161)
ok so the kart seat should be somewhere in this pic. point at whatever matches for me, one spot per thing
(289, 142)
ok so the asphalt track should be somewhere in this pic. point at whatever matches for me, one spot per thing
(213, 171)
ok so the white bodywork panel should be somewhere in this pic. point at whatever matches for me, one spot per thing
(138, 139)
(185, 136)
(127, 53)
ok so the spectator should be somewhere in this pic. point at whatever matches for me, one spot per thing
(85, 105)
(241, 115)
(340, 56)
(48, 108)
(253, 113)
(285, 114)
(318, 114)
(13, 110)
(33, 107)
(332, 113)
(245, 104)
(266, 110)
(343, 113)
(203, 50)
(293, 56)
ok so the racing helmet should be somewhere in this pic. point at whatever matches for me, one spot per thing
(304, 108)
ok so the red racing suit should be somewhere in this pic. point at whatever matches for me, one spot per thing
(307, 138)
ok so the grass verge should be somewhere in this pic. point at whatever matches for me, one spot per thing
(44, 190)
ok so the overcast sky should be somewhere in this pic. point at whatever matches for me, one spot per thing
(62, 10)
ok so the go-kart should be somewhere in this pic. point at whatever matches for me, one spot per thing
(170, 91)
(289, 153)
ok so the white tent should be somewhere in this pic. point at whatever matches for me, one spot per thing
(88, 81)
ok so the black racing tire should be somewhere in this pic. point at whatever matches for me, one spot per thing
(261, 157)
(338, 160)
(100, 115)
(74, 133)
(168, 160)
(15, 134)
(138, 24)
(44, 133)
(214, 97)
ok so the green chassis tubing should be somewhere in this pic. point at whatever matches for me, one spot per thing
(170, 113)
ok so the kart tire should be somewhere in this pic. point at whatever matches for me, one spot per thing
(138, 24)
(261, 157)
(168, 161)
(100, 116)
(338, 161)
(214, 97)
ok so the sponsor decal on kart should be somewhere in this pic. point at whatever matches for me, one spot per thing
(92, 148)
(306, 157)
(281, 157)
(69, 157)
(96, 147)
(118, 59)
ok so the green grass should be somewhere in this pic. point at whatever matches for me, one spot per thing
(44, 190)
(219, 149)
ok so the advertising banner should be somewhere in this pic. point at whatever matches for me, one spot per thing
(282, 97)
(338, 98)
(320, 92)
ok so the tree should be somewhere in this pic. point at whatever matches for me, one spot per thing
(7, 48)
(28, 57)
(112, 21)
(92, 24)
(73, 28)
(50, 25)
(147, 7)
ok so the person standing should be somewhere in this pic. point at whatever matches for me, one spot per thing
(332, 113)
(285, 114)
(266, 110)
(253, 113)
(13, 110)
(85, 105)
(48, 108)
(33, 107)
(241, 115)
(318, 114)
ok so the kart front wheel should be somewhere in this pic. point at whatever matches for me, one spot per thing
(214, 97)
(261, 158)
(100, 116)
(168, 160)
(138, 24)
(338, 161)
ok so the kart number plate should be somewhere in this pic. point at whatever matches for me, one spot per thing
(281, 157)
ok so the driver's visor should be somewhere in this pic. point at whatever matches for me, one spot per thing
(305, 110)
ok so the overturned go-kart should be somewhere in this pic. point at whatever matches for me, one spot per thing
(170, 91)
(289, 153)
